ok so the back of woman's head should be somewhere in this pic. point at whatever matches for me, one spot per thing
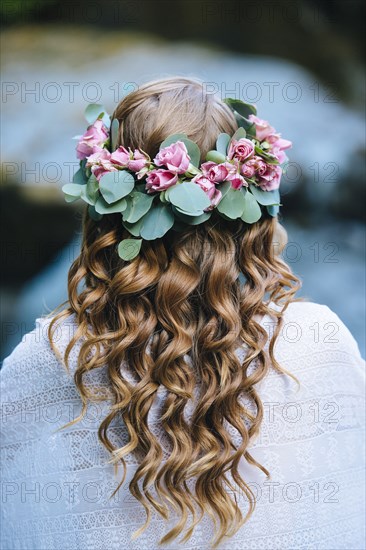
(176, 314)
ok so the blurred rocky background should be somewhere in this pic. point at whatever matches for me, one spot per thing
(301, 62)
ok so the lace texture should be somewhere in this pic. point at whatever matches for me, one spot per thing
(56, 485)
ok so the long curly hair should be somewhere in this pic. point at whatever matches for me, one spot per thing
(181, 298)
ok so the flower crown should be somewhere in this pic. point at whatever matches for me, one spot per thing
(174, 190)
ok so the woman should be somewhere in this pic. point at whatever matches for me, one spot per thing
(198, 394)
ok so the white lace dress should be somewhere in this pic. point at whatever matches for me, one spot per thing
(56, 484)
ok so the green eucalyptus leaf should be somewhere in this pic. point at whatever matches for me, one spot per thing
(116, 185)
(94, 214)
(215, 156)
(72, 189)
(191, 220)
(189, 213)
(103, 207)
(193, 151)
(273, 210)
(137, 205)
(244, 109)
(192, 148)
(167, 191)
(114, 134)
(222, 143)
(265, 198)
(232, 205)
(133, 228)
(240, 133)
(248, 126)
(224, 187)
(173, 138)
(162, 197)
(157, 221)
(189, 197)
(270, 159)
(129, 248)
(90, 191)
(251, 131)
(95, 111)
(79, 177)
(70, 198)
(252, 211)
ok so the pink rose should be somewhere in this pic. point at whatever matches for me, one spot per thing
(175, 157)
(237, 181)
(100, 163)
(248, 169)
(262, 127)
(135, 161)
(217, 172)
(278, 145)
(138, 162)
(92, 141)
(210, 189)
(270, 180)
(255, 165)
(121, 157)
(260, 166)
(241, 149)
(159, 180)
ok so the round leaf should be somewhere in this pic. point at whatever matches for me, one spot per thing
(129, 248)
(270, 159)
(156, 222)
(232, 204)
(114, 134)
(116, 185)
(90, 191)
(137, 205)
(244, 109)
(95, 111)
(133, 228)
(252, 211)
(215, 156)
(189, 196)
(190, 214)
(273, 210)
(266, 198)
(248, 126)
(102, 207)
(162, 196)
(72, 189)
(70, 198)
(192, 220)
(79, 177)
(222, 143)
(173, 138)
(240, 133)
(224, 188)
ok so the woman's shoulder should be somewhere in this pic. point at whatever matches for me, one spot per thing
(316, 331)
(33, 359)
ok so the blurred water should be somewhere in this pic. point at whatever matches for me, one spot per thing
(61, 70)
(326, 134)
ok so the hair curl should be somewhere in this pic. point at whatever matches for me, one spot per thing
(180, 298)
